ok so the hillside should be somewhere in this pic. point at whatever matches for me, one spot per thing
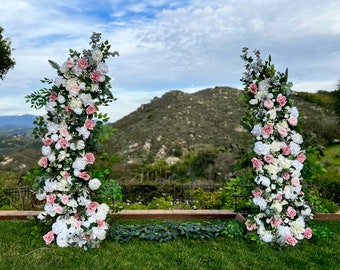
(201, 129)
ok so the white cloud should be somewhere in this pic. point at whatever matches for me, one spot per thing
(166, 44)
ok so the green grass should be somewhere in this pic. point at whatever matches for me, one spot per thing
(17, 251)
(332, 157)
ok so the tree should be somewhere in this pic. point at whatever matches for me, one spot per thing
(6, 62)
(336, 101)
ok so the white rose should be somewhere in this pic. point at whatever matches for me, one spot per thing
(277, 207)
(296, 137)
(275, 146)
(97, 55)
(41, 195)
(62, 240)
(46, 150)
(257, 130)
(260, 202)
(261, 148)
(94, 184)
(71, 83)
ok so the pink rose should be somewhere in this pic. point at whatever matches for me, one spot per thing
(89, 124)
(285, 150)
(50, 198)
(76, 88)
(77, 223)
(268, 104)
(295, 181)
(268, 158)
(96, 76)
(275, 222)
(59, 209)
(82, 63)
(291, 213)
(285, 176)
(282, 100)
(84, 175)
(64, 199)
(48, 237)
(308, 233)
(252, 88)
(92, 206)
(63, 132)
(53, 96)
(101, 223)
(292, 120)
(91, 109)
(69, 64)
(251, 225)
(66, 175)
(63, 143)
(47, 141)
(256, 193)
(257, 164)
(90, 158)
(282, 131)
(290, 240)
(301, 158)
(278, 197)
(43, 162)
(267, 129)
(67, 108)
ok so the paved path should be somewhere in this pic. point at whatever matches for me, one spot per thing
(162, 214)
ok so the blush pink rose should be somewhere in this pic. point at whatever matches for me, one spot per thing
(278, 197)
(252, 88)
(63, 143)
(53, 96)
(43, 162)
(267, 129)
(76, 88)
(285, 150)
(64, 199)
(308, 233)
(268, 158)
(301, 157)
(257, 163)
(48, 237)
(285, 176)
(90, 158)
(68, 108)
(96, 76)
(293, 121)
(282, 100)
(268, 104)
(92, 206)
(47, 141)
(275, 222)
(66, 175)
(84, 175)
(101, 223)
(59, 210)
(50, 199)
(91, 109)
(282, 131)
(82, 63)
(89, 124)
(256, 193)
(295, 181)
(251, 225)
(291, 213)
(77, 223)
(290, 240)
(69, 64)
(63, 132)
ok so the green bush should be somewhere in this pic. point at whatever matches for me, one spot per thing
(329, 186)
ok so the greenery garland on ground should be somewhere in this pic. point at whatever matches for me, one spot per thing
(278, 155)
(69, 133)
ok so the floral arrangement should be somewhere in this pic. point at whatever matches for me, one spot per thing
(69, 131)
(278, 155)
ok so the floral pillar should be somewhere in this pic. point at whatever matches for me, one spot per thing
(68, 132)
(278, 155)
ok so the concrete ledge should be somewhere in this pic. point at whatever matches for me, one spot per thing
(162, 214)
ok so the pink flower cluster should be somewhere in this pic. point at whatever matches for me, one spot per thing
(278, 160)
(67, 151)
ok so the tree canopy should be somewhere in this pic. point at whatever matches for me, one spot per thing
(6, 61)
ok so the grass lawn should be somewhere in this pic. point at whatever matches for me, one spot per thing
(17, 251)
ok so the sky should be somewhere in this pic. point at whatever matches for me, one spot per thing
(164, 45)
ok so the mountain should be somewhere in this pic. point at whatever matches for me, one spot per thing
(17, 121)
(201, 130)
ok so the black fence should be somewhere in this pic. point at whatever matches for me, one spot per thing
(18, 198)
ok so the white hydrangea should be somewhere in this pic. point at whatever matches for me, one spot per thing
(94, 184)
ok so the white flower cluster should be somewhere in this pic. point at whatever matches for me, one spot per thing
(77, 220)
(278, 160)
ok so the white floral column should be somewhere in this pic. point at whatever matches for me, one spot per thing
(69, 131)
(278, 155)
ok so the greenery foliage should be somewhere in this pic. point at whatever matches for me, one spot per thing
(6, 61)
